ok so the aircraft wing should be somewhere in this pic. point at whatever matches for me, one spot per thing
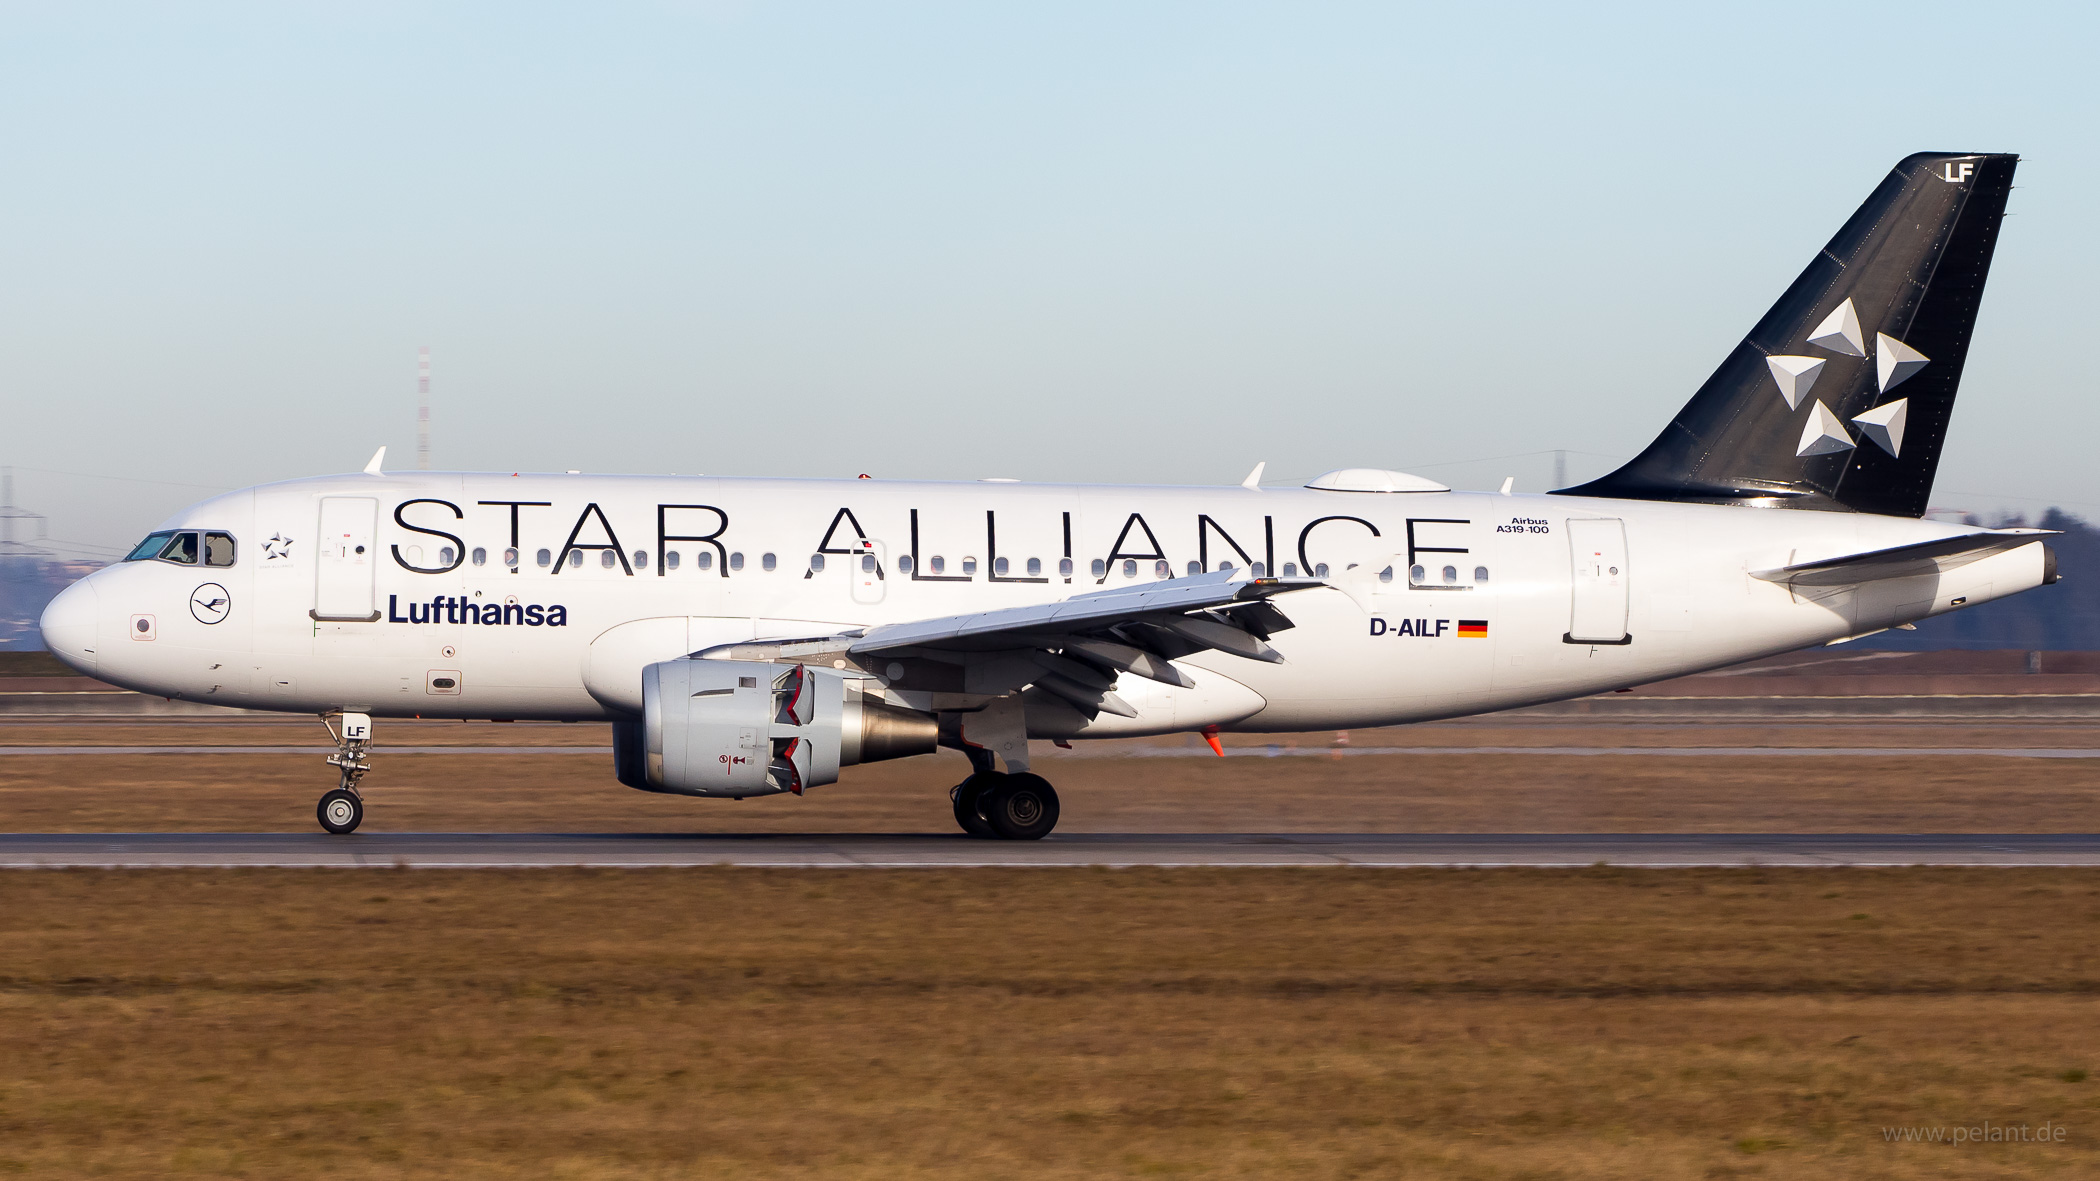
(1904, 561)
(1074, 648)
(1149, 603)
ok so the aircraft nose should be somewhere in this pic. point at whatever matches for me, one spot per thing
(69, 625)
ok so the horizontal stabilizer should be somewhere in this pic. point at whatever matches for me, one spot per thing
(1904, 561)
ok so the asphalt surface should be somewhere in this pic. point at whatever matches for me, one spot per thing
(1176, 752)
(522, 850)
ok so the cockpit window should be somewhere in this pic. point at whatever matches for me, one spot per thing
(149, 548)
(218, 549)
(183, 548)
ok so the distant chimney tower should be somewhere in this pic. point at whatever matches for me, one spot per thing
(423, 409)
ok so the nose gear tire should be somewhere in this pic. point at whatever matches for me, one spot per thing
(340, 811)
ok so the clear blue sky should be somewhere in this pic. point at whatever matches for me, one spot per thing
(1101, 242)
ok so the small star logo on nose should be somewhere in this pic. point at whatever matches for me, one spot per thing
(278, 548)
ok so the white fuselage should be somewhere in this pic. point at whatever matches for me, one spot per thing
(453, 634)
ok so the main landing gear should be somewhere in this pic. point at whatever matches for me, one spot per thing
(1014, 805)
(343, 809)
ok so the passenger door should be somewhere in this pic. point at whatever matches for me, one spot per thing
(1598, 549)
(347, 560)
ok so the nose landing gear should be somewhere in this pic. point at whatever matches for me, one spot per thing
(343, 809)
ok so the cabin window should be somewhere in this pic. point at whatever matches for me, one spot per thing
(1451, 575)
(447, 556)
(867, 563)
(1000, 567)
(1226, 567)
(767, 562)
(1064, 567)
(641, 559)
(510, 557)
(1161, 569)
(904, 563)
(736, 560)
(480, 556)
(937, 563)
(1100, 568)
(1259, 570)
(704, 560)
(1320, 570)
(1386, 575)
(545, 558)
(670, 559)
(1290, 569)
(575, 559)
(1130, 568)
(1480, 573)
(1416, 574)
(218, 549)
(1195, 568)
(816, 563)
(969, 566)
(1035, 567)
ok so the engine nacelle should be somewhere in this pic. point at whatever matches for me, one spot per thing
(741, 728)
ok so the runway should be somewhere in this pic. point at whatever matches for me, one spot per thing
(928, 851)
(1183, 752)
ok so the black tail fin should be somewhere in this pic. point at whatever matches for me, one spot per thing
(1839, 398)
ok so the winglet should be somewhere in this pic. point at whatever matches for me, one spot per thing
(1509, 485)
(378, 457)
(1253, 481)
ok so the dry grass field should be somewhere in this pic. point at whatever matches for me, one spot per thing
(1046, 1023)
(1114, 790)
(1057, 1023)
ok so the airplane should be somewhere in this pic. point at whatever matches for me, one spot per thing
(748, 637)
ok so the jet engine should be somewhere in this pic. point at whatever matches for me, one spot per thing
(741, 728)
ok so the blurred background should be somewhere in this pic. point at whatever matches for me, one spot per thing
(1094, 242)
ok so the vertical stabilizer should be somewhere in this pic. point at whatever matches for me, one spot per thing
(1839, 399)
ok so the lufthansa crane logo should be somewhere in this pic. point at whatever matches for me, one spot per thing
(210, 603)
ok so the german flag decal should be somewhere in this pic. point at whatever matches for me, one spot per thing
(1472, 629)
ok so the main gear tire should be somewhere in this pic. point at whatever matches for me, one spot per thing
(966, 797)
(1022, 807)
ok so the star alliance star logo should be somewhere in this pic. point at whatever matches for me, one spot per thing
(278, 547)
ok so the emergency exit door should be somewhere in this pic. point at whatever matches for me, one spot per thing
(346, 559)
(1598, 549)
